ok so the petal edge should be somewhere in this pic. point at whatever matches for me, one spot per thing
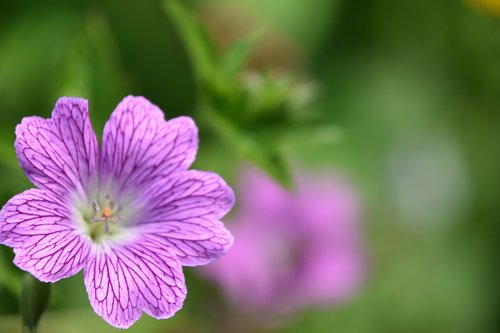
(60, 153)
(124, 281)
(37, 224)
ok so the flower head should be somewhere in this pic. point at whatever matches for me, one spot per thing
(130, 214)
(299, 249)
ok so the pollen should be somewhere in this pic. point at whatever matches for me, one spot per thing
(107, 213)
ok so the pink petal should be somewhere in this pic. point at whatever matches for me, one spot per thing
(36, 223)
(184, 213)
(139, 146)
(249, 273)
(60, 153)
(332, 274)
(123, 281)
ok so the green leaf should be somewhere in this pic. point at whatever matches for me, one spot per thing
(236, 56)
(263, 154)
(195, 38)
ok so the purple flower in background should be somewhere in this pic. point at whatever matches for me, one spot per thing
(294, 250)
(130, 214)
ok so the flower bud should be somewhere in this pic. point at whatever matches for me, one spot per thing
(34, 299)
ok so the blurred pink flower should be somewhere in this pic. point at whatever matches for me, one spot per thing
(293, 249)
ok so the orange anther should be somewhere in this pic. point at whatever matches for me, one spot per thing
(106, 213)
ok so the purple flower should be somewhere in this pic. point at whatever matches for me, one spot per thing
(130, 214)
(299, 249)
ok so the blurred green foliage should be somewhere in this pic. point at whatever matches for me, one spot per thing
(407, 105)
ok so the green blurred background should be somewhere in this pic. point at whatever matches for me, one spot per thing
(402, 96)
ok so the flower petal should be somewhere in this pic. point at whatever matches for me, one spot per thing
(184, 212)
(122, 281)
(332, 274)
(36, 223)
(140, 146)
(253, 285)
(60, 153)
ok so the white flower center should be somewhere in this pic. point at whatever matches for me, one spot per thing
(106, 215)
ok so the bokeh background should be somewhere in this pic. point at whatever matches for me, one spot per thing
(400, 97)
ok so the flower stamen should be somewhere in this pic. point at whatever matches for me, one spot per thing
(107, 214)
